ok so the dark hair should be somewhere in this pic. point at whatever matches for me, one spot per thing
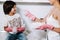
(59, 1)
(7, 6)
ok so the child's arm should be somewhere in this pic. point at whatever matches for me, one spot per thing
(6, 28)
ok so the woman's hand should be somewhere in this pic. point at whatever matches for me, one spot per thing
(45, 26)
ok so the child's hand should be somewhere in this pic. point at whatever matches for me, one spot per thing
(45, 26)
(29, 15)
(20, 29)
(8, 29)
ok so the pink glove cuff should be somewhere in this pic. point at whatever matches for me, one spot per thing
(51, 27)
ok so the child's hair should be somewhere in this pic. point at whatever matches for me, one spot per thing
(7, 6)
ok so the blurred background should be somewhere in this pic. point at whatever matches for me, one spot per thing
(39, 8)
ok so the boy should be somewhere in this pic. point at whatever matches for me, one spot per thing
(13, 24)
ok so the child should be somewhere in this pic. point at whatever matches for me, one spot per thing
(13, 24)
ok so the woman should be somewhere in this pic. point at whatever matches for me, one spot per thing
(53, 21)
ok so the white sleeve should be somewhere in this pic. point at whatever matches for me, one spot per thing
(5, 22)
(22, 23)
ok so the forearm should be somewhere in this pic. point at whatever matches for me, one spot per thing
(56, 30)
(37, 20)
(40, 20)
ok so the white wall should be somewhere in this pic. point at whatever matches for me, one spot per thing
(30, 0)
(40, 11)
(1, 16)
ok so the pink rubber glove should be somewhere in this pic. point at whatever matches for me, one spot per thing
(8, 29)
(20, 29)
(45, 26)
(29, 15)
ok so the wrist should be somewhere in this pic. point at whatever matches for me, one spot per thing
(53, 28)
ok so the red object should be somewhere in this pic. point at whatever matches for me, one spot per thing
(20, 29)
(8, 29)
(45, 26)
(29, 15)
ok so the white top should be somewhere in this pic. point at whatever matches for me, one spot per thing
(14, 22)
(55, 23)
